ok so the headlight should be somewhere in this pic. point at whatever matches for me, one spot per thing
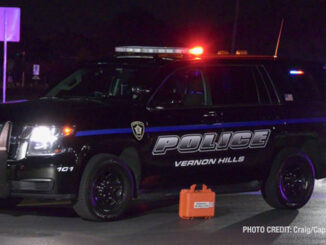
(42, 141)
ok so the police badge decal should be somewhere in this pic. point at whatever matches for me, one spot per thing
(138, 129)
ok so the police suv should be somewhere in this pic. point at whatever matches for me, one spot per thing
(153, 118)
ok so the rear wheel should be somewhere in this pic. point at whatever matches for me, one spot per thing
(291, 180)
(105, 190)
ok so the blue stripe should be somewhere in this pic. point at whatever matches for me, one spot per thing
(104, 132)
(203, 126)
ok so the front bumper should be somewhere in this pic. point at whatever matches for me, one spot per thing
(36, 176)
(54, 177)
(36, 188)
(40, 177)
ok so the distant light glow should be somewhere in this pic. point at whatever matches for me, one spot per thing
(196, 50)
(296, 72)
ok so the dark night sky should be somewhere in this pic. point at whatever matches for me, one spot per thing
(83, 28)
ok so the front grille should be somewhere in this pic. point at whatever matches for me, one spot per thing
(12, 148)
(14, 142)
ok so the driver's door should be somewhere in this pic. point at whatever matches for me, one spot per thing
(180, 108)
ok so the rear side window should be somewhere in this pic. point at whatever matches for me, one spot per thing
(319, 73)
(233, 85)
(296, 83)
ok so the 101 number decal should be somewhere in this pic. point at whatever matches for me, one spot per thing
(65, 169)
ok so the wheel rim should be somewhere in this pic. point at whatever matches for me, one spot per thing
(296, 181)
(107, 191)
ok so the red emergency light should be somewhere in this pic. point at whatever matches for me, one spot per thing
(198, 50)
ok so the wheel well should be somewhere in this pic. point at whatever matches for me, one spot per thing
(129, 159)
(309, 145)
(280, 151)
(272, 188)
(315, 150)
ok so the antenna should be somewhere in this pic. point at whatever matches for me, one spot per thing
(279, 38)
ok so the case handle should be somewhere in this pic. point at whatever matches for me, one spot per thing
(193, 187)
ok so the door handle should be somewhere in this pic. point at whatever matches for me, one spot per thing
(210, 117)
(210, 114)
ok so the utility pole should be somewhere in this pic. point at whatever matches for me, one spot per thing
(23, 69)
(4, 77)
(235, 26)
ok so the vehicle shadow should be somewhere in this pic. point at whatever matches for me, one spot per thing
(53, 210)
(266, 219)
(138, 207)
(162, 204)
(149, 204)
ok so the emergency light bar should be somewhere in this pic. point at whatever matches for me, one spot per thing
(241, 52)
(159, 50)
(151, 50)
(223, 52)
(296, 72)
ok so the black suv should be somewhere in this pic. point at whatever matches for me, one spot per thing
(157, 118)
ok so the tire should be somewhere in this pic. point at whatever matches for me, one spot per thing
(105, 189)
(9, 202)
(291, 180)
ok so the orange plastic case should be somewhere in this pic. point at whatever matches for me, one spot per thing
(196, 203)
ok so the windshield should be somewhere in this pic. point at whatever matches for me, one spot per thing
(118, 81)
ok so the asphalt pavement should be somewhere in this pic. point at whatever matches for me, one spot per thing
(239, 219)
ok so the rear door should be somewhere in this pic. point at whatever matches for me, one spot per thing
(239, 93)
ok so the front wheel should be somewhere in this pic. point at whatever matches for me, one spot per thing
(291, 180)
(105, 189)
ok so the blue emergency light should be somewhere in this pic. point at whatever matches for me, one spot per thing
(296, 72)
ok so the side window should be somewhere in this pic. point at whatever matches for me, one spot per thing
(184, 88)
(233, 85)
